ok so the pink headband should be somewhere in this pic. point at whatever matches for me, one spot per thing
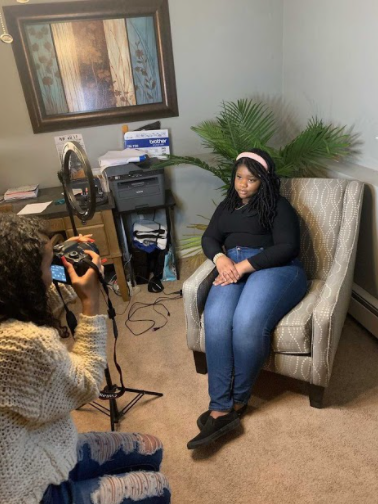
(255, 157)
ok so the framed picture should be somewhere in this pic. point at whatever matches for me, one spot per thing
(94, 62)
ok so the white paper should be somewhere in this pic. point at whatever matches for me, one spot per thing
(112, 158)
(60, 142)
(34, 208)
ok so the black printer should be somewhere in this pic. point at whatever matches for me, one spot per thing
(136, 186)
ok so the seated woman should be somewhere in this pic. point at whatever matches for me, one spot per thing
(43, 459)
(259, 281)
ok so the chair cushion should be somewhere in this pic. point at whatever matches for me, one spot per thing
(293, 333)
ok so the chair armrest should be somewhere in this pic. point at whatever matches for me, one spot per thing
(330, 312)
(195, 290)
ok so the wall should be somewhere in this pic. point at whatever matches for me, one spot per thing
(329, 66)
(220, 53)
(330, 70)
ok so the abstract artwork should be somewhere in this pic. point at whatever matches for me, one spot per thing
(79, 66)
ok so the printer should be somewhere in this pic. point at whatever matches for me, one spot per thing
(136, 185)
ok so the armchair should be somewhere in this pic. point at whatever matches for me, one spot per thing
(305, 341)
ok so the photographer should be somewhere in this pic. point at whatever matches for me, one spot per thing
(43, 459)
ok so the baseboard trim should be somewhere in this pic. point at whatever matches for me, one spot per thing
(364, 312)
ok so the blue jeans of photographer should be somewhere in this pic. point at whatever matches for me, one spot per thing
(114, 468)
(239, 320)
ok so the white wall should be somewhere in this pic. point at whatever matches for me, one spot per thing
(330, 66)
(222, 51)
(330, 70)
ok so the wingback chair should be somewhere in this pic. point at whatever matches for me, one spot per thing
(305, 341)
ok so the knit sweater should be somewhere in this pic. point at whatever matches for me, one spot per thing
(41, 383)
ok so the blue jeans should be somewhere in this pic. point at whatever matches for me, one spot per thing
(114, 468)
(239, 320)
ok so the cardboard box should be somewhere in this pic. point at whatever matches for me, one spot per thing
(154, 142)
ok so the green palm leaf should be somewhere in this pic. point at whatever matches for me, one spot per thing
(310, 150)
(239, 127)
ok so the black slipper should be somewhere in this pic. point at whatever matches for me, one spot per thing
(215, 428)
(202, 419)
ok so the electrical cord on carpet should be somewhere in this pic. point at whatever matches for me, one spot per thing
(158, 307)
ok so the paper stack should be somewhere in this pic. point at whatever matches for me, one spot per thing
(23, 192)
(113, 158)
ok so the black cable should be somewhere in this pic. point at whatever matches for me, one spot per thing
(138, 305)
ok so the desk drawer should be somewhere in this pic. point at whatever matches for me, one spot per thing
(57, 224)
(97, 219)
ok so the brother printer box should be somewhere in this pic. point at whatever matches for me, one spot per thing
(154, 142)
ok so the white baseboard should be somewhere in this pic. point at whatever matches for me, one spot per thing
(364, 309)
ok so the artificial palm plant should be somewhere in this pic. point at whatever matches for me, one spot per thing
(247, 124)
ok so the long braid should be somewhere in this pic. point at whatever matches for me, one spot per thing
(265, 200)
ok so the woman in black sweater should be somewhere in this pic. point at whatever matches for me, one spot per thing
(253, 239)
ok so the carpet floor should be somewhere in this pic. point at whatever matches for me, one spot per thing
(285, 452)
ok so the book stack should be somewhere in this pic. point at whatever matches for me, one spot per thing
(23, 192)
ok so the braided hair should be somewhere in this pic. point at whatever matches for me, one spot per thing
(265, 200)
(23, 294)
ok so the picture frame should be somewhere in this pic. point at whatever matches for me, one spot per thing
(94, 62)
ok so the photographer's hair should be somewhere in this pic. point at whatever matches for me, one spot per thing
(265, 201)
(23, 294)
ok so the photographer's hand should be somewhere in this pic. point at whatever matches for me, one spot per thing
(82, 238)
(87, 287)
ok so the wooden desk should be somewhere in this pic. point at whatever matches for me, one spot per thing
(101, 226)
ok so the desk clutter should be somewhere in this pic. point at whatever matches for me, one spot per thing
(150, 249)
(23, 192)
(142, 209)
(132, 221)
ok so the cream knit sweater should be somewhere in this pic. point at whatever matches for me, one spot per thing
(40, 383)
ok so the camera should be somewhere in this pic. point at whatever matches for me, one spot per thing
(74, 253)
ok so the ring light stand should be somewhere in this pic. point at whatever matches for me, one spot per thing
(85, 214)
(73, 206)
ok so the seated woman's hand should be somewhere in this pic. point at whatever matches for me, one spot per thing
(242, 268)
(227, 271)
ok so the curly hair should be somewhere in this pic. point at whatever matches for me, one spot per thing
(23, 294)
(265, 200)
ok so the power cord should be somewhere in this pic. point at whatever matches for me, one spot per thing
(159, 302)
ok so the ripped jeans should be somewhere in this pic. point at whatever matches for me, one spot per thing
(114, 468)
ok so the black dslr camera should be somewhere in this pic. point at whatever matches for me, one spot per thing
(74, 253)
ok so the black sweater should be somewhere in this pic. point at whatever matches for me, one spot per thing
(242, 228)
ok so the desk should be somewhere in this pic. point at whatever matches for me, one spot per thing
(101, 226)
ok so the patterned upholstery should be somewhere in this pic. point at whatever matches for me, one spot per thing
(293, 333)
(305, 341)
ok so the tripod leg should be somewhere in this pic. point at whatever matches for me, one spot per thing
(112, 411)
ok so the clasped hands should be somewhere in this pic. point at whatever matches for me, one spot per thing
(230, 272)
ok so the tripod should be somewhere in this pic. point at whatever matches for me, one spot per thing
(113, 412)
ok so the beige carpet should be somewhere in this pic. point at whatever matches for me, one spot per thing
(285, 451)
